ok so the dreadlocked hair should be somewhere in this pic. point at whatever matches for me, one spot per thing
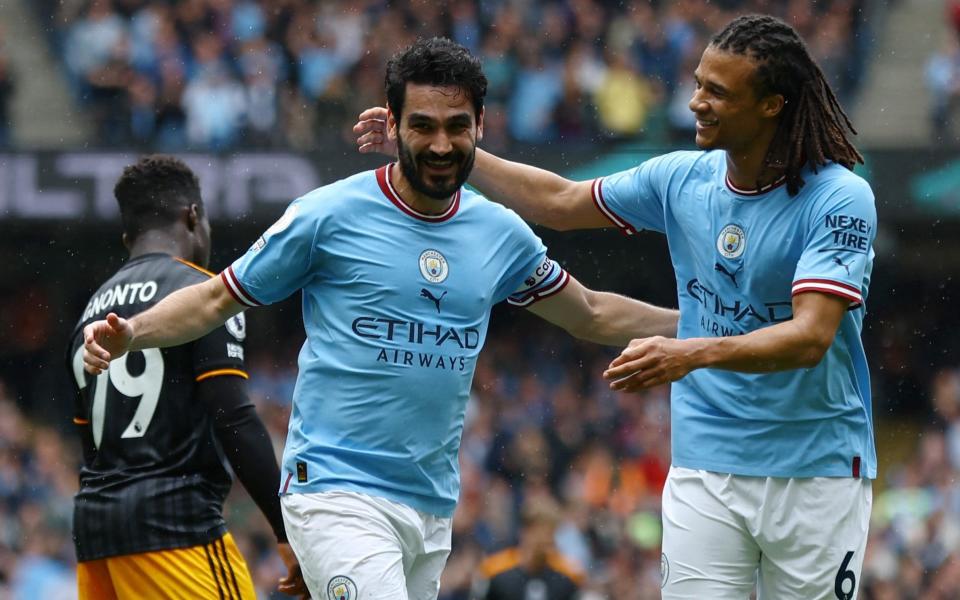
(813, 127)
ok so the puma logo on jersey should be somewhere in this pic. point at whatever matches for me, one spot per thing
(846, 266)
(425, 293)
(733, 276)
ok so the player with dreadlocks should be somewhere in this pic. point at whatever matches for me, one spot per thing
(812, 127)
(770, 234)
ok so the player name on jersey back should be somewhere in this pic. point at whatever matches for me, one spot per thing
(121, 294)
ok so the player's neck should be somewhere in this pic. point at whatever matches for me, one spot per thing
(747, 168)
(750, 172)
(421, 203)
(156, 242)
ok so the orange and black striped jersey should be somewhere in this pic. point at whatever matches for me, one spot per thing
(154, 476)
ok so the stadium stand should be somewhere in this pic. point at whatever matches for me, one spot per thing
(291, 73)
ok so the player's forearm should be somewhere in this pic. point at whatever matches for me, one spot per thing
(780, 347)
(184, 316)
(535, 194)
(245, 442)
(250, 451)
(618, 319)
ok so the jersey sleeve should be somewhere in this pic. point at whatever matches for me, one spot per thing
(279, 263)
(78, 378)
(221, 351)
(838, 251)
(634, 199)
(530, 275)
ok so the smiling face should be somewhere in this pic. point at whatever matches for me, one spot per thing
(436, 138)
(730, 114)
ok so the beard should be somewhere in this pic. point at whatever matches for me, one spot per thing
(438, 188)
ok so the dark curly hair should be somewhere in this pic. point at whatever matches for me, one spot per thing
(435, 61)
(813, 127)
(153, 192)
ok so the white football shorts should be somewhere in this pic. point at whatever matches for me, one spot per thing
(352, 546)
(790, 539)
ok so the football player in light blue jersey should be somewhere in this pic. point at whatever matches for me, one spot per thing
(398, 269)
(770, 234)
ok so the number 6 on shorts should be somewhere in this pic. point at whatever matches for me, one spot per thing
(841, 588)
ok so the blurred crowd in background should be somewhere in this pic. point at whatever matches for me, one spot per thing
(6, 93)
(943, 79)
(222, 74)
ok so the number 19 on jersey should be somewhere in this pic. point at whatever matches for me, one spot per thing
(145, 386)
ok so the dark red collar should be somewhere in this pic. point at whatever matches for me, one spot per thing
(763, 190)
(386, 186)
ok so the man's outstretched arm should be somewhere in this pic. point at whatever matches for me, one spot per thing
(181, 317)
(799, 343)
(535, 194)
(604, 317)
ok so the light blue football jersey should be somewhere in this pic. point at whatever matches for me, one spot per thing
(396, 306)
(739, 258)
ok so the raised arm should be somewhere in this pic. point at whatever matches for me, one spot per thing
(603, 317)
(799, 343)
(181, 317)
(535, 194)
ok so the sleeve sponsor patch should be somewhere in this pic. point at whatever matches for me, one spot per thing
(547, 279)
(849, 233)
(541, 274)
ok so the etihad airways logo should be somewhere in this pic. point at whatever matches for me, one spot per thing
(738, 310)
(415, 332)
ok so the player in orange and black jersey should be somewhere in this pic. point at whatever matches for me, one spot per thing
(533, 568)
(157, 426)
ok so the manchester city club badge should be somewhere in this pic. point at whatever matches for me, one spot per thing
(433, 266)
(732, 241)
(342, 587)
(664, 570)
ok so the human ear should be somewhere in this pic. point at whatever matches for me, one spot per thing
(392, 124)
(193, 217)
(773, 104)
